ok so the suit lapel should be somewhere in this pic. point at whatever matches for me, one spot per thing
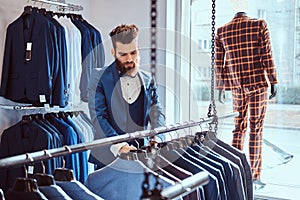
(147, 93)
(117, 95)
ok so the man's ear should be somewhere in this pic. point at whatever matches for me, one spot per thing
(113, 51)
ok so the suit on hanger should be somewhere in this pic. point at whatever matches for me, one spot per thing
(77, 191)
(230, 177)
(240, 185)
(21, 138)
(54, 192)
(211, 189)
(248, 174)
(30, 81)
(122, 179)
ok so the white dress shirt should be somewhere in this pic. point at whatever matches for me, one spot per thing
(131, 87)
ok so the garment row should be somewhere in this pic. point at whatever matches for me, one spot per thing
(47, 131)
(228, 169)
(48, 58)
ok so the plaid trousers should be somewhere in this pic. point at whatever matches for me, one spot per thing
(253, 99)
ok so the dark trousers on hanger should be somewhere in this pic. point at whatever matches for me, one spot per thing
(253, 102)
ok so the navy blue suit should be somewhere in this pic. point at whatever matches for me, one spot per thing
(77, 191)
(248, 174)
(54, 192)
(24, 81)
(236, 160)
(122, 179)
(19, 139)
(229, 174)
(210, 189)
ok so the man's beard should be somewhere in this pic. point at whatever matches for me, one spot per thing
(122, 68)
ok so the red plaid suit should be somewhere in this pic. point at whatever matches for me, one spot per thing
(243, 63)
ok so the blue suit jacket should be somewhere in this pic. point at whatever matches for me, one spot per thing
(110, 105)
(122, 179)
(23, 81)
(19, 139)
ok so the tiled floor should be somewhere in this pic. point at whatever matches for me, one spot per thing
(282, 129)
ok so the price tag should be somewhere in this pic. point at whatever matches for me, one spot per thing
(28, 53)
(42, 98)
(30, 169)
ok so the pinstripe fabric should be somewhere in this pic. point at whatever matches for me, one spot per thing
(243, 54)
(244, 65)
(255, 101)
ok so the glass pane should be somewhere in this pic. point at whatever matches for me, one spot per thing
(281, 125)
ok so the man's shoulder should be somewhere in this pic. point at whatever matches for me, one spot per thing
(104, 70)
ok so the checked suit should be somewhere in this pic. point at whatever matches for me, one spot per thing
(244, 64)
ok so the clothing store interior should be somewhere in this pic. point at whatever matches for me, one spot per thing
(149, 99)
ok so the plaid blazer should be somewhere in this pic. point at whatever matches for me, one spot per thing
(243, 54)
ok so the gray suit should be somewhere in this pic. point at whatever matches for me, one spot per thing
(122, 179)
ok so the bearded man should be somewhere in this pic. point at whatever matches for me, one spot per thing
(123, 97)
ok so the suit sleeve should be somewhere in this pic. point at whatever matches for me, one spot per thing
(219, 62)
(3, 153)
(6, 62)
(101, 111)
(156, 114)
(266, 53)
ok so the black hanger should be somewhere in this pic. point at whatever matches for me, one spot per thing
(26, 119)
(42, 11)
(200, 136)
(44, 179)
(27, 10)
(50, 117)
(63, 174)
(25, 185)
(63, 115)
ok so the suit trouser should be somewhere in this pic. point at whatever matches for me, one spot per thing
(252, 99)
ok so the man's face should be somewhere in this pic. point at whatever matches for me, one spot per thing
(127, 57)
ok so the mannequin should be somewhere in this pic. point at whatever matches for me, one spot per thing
(243, 56)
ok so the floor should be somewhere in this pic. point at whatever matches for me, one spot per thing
(281, 152)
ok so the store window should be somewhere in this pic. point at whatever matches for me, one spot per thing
(192, 77)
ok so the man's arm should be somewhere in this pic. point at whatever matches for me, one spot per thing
(101, 111)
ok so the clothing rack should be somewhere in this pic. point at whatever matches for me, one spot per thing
(62, 6)
(38, 156)
(186, 186)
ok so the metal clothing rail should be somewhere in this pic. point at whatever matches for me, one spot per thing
(186, 186)
(62, 6)
(38, 156)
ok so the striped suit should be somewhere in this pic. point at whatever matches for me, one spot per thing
(243, 64)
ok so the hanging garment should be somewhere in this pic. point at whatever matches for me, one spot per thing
(23, 137)
(248, 183)
(25, 189)
(122, 179)
(32, 79)
(211, 190)
(77, 191)
(74, 60)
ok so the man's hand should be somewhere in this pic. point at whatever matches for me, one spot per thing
(273, 91)
(221, 95)
(127, 148)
